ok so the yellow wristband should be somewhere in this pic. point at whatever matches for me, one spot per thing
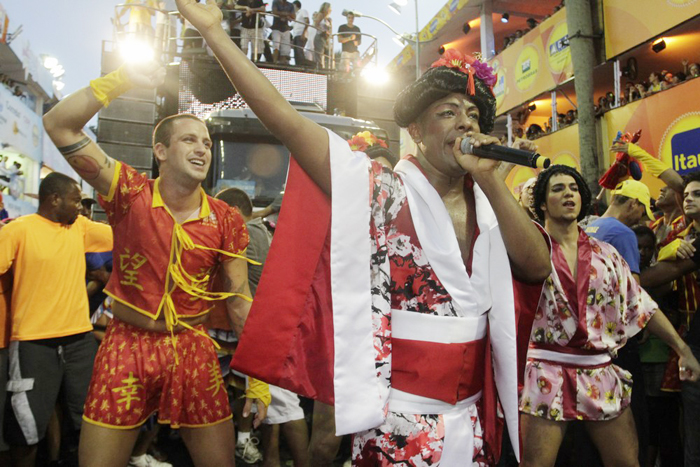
(258, 390)
(110, 86)
(651, 163)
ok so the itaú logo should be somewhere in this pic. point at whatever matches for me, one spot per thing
(680, 145)
(685, 148)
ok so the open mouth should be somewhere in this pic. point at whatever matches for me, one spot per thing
(197, 162)
(569, 204)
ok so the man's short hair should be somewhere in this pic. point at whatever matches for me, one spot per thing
(620, 199)
(540, 191)
(298, 4)
(164, 130)
(55, 183)
(691, 177)
(237, 198)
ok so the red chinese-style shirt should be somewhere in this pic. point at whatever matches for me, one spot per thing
(161, 266)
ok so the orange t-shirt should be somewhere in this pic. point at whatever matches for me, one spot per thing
(48, 263)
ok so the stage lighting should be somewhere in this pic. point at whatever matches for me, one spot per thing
(441, 50)
(395, 7)
(135, 51)
(466, 28)
(505, 17)
(50, 62)
(375, 75)
(658, 45)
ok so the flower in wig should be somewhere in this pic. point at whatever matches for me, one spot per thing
(364, 140)
(470, 65)
(374, 147)
(454, 72)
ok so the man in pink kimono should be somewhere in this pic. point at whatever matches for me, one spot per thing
(590, 306)
(391, 308)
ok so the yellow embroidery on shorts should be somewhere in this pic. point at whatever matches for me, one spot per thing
(215, 378)
(129, 390)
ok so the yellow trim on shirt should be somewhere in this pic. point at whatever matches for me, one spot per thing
(133, 307)
(204, 209)
(115, 182)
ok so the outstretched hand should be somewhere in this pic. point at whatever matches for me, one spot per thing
(203, 16)
(619, 146)
(524, 144)
(145, 75)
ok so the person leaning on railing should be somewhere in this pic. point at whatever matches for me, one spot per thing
(350, 36)
(299, 33)
(251, 32)
(322, 21)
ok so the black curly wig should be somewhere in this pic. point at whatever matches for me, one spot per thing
(540, 191)
(437, 83)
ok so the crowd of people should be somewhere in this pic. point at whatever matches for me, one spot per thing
(12, 86)
(284, 32)
(531, 24)
(427, 312)
(657, 82)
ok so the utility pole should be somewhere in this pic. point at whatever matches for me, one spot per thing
(579, 23)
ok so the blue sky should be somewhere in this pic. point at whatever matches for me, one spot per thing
(73, 30)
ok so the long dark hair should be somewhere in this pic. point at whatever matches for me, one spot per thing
(540, 191)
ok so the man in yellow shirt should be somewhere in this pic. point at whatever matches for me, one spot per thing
(51, 343)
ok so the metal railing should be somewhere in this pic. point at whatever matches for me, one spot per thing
(370, 53)
(168, 45)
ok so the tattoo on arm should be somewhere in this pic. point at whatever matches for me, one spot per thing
(70, 149)
(87, 167)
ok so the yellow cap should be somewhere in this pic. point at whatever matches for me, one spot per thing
(635, 190)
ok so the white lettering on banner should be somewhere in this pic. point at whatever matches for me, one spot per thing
(20, 127)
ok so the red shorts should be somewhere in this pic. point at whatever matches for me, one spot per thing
(135, 375)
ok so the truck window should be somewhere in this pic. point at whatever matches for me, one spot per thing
(258, 168)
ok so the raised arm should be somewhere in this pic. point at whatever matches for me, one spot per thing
(527, 249)
(65, 122)
(656, 167)
(307, 141)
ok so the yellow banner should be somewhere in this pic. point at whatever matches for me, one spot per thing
(561, 147)
(629, 23)
(431, 30)
(534, 64)
(670, 124)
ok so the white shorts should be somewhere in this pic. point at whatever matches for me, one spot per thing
(282, 41)
(248, 36)
(283, 408)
